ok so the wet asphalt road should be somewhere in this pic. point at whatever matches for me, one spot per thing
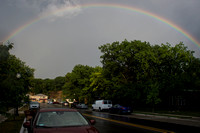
(105, 123)
(106, 126)
(112, 123)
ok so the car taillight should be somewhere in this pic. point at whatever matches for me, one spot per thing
(103, 102)
(122, 108)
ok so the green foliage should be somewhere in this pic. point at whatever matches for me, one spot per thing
(148, 72)
(152, 92)
(4, 51)
(15, 78)
(137, 72)
(99, 86)
(59, 82)
(45, 86)
(77, 82)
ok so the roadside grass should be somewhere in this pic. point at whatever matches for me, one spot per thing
(13, 124)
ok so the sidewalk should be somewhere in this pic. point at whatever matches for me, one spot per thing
(3, 118)
(23, 130)
(170, 118)
(11, 111)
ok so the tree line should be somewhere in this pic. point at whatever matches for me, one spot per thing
(138, 73)
(133, 72)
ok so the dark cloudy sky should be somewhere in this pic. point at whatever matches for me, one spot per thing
(56, 43)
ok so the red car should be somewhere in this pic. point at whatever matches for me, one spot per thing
(60, 120)
(56, 103)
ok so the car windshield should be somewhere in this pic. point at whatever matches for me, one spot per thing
(60, 118)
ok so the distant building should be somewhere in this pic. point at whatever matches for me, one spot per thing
(41, 98)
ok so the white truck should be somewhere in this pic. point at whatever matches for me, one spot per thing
(102, 105)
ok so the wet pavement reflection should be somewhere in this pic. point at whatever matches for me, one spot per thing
(108, 126)
(114, 123)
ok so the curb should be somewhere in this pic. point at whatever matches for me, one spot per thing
(23, 130)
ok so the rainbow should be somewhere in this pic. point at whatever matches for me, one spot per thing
(111, 5)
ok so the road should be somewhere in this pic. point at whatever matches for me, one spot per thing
(106, 123)
(110, 123)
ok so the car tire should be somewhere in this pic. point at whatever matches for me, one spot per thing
(119, 112)
(110, 111)
(99, 109)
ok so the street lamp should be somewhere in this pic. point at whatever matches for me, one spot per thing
(18, 75)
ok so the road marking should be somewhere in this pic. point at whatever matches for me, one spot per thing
(131, 124)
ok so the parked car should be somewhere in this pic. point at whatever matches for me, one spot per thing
(81, 106)
(60, 120)
(117, 108)
(65, 103)
(56, 103)
(73, 105)
(49, 102)
(102, 105)
(34, 105)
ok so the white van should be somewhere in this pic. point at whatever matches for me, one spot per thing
(102, 105)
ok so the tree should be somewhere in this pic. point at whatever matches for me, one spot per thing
(59, 82)
(124, 65)
(15, 79)
(151, 73)
(46, 85)
(77, 80)
(99, 87)
(38, 86)
(4, 55)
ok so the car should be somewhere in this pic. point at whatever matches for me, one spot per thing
(117, 108)
(60, 120)
(73, 105)
(81, 106)
(34, 105)
(56, 103)
(65, 103)
(102, 105)
(49, 102)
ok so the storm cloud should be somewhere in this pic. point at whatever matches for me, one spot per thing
(67, 32)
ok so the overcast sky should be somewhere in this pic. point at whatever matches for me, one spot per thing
(56, 43)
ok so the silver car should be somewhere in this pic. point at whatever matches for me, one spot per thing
(34, 105)
(81, 106)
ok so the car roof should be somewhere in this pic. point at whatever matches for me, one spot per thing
(57, 109)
